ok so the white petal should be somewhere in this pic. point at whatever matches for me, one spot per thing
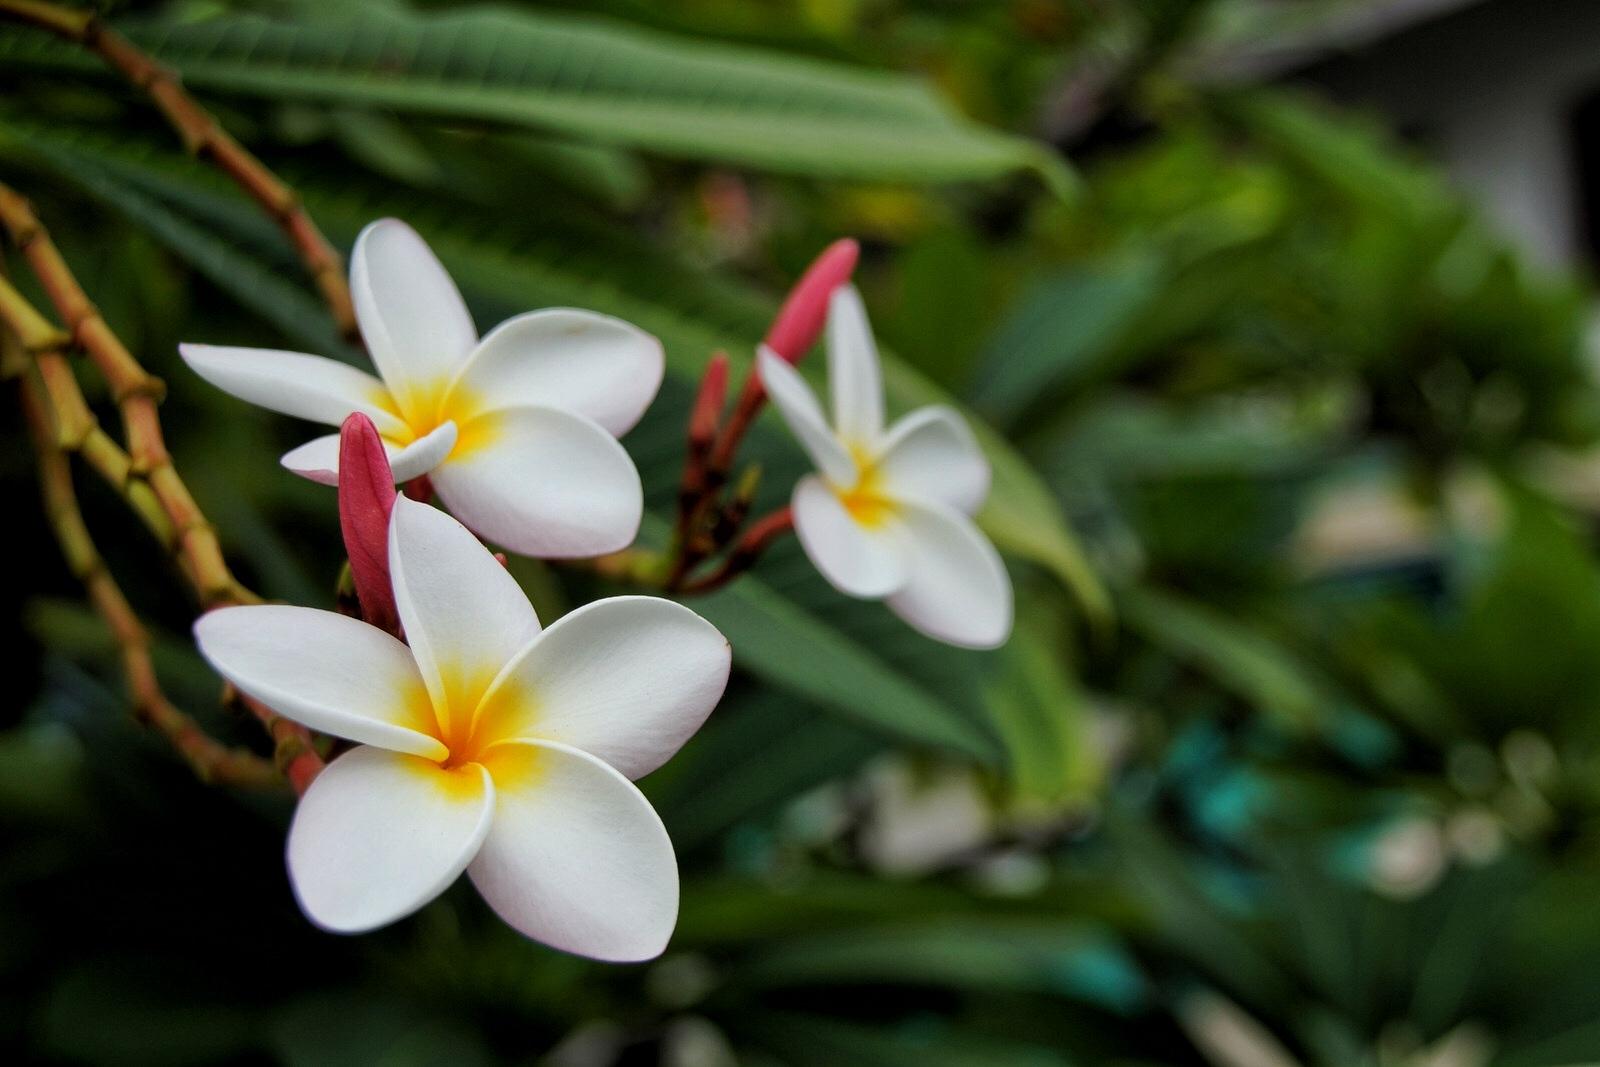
(463, 613)
(856, 559)
(412, 316)
(318, 458)
(628, 679)
(931, 455)
(577, 858)
(292, 383)
(958, 590)
(854, 377)
(544, 483)
(423, 454)
(334, 674)
(578, 361)
(378, 835)
(798, 406)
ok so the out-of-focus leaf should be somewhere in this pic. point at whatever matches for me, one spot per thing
(758, 751)
(1023, 954)
(805, 1039)
(1041, 714)
(244, 276)
(595, 80)
(1060, 332)
(1253, 666)
(784, 646)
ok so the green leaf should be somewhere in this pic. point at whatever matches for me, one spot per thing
(1255, 667)
(784, 645)
(1061, 333)
(811, 1039)
(1038, 954)
(1039, 712)
(590, 79)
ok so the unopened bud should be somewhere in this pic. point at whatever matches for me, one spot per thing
(805, 310)
(366, 496)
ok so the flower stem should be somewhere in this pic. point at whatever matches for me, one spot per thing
(203, 138)
(756, 540)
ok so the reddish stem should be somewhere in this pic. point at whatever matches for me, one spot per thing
(762, 533)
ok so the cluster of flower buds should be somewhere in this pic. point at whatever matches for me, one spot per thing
(484, 743)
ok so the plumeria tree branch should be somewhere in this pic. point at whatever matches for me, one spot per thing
(137, 394)
(203, 138)
(212, 761)
(142, 473)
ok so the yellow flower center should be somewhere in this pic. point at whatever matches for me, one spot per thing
(471, 723)
(866, 501)
(423, 407)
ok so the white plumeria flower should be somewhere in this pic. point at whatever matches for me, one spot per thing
(889, 513)
(487, 746)
(517, 431)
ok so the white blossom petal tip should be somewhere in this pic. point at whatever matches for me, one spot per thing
(958, 590)
(378, 835)
(582, 362)
(577, 858)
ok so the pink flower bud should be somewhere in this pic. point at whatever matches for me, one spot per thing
(805, 310)
(366, 496)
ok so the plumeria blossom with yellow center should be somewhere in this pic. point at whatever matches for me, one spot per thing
(889, 513)
(485, 745)
(517, 431)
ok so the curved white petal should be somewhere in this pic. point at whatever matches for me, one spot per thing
(958, 590)
(293, 383)
(577, 858)
(412, 316)
(378, 835)
(798, 406)
(855, 379)
(463, 613)
(318, 458)
(931, 454)
(543, 482)
(628, 679)
(334, 674)
(578, 361)
(856, 559)
(425, 453)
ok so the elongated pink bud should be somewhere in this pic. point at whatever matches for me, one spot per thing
(366, 496)
(805, 310)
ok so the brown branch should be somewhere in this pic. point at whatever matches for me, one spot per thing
(144, 473)
(212, 761)
(75, 426)
(203, 138)
(137, 394)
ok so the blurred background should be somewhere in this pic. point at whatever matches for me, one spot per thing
(1277, 316)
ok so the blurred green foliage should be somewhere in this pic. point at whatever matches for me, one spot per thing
(1292, 759)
